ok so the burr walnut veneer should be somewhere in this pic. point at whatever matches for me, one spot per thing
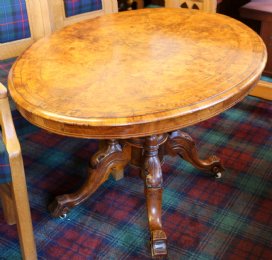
(133, 79)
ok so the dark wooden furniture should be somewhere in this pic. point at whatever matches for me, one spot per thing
(95, 79)
(125, 5)
(261, 10)
(231, 7)
(154, 2)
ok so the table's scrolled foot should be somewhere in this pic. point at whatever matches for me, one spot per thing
(59, 207)
(106, 160)
(182, 144)
(158, 243)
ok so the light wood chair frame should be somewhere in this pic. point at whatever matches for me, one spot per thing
(204, 5)
(38, 16)
(46, 16)
(58, 17)
(14, 195)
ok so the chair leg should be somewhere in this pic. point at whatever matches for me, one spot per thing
(7, 204)
(18, 185)
(20, 197)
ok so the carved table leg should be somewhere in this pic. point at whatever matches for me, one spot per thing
(153, 189)
(110, 157)
(182, 144)
(117, 173)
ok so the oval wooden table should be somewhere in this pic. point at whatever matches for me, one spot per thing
(134, 79)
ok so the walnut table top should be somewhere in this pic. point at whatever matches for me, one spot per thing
(136, 73)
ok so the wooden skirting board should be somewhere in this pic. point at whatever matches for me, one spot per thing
(263, 90)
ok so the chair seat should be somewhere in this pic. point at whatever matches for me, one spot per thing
(5, 173)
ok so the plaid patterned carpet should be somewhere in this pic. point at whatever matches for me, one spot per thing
(205, 218)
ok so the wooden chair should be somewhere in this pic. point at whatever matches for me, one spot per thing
(204, 5)
(59, 16)
(42, 17)
(13, 191)
(23, 22)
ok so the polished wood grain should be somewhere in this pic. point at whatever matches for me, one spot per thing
(113, 78)
(136, 83)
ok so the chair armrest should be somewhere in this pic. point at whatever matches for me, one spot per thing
(3, 91)
(8, 131)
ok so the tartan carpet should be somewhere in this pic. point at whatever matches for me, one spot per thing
(14, 23)
(204, 218)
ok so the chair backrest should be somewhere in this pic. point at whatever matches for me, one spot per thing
(204, 5)
(22, 22)
(65, 12)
